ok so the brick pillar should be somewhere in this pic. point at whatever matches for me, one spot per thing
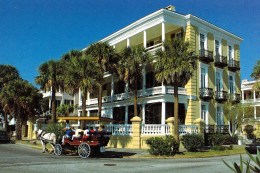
(201, 125)
(257, 129)
(170, 122)
(136, 128)
(30, 129)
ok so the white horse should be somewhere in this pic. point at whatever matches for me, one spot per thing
(46, 138)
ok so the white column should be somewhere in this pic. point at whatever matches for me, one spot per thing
(163, 89)
(80, 97)
(88, 98)
(144, 80)
(112, 87)
(126, 115)
(88, 113)
(255, 112)
(127, 42)
(243, 96)
(163, 112)
(163, 31)
(143, 113)
(145, 39)
(254, 95)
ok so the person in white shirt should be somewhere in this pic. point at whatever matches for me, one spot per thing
(77, 133)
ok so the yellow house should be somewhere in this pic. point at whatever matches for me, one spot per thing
(201, 101)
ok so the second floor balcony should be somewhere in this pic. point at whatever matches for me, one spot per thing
(206, 56)
(233, 65)
(220, 61)
(234, 97)
(160, 90)
(206, 93)
(221, 96)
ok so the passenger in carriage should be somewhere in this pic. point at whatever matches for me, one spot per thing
(68, 133)
(78, 133)
(86, 132)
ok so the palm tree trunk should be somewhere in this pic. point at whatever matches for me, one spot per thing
(53, 104)
(135, 103)
(6, 122)
(176, 116)
(100, 93)
(18, 125)
(84, 98)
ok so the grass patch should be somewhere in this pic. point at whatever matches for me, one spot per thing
(212, 153)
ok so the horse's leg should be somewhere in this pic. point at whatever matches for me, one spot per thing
(43, 146)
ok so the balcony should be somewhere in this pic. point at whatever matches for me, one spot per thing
(206, 93)
(206, 56)
(152, 49)
(234, 97)
(221, 96)
(220, 61)
(233, 65)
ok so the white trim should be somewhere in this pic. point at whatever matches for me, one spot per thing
(205, 66)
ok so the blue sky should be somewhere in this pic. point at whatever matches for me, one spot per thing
(35, 31)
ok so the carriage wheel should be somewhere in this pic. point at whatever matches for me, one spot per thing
(57, 149)
(84, 150)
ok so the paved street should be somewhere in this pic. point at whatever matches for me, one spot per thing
(16, 158)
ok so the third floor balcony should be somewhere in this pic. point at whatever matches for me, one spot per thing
(221, 96)
(206, 93)
(234, 97)
(220, 61)
(206, 56)
(233, 65)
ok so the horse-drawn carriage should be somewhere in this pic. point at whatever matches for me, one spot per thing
(93, 143)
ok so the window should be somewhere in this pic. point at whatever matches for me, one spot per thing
(203, 78)
(230, 53)
(202, 42)
(177, 35)
(203, 113)
(218, 81)
(231, 84)
(217, 51)
(220, 118)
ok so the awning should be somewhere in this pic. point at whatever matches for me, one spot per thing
(84, 118)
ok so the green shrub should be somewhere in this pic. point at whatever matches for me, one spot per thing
(55, 128)
(162, 146)
(218, 148)
(217, 139)
(193, 142)
(249, 129)
(233, 139)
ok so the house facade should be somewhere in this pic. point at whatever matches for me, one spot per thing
(250, 100)
(216, 79)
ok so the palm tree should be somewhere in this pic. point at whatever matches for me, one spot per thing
(50, 79)
(23, 98)
(174, 66)
(81, 72)
(8, 73)
(256, 75)
(131, 64)
(104, 55)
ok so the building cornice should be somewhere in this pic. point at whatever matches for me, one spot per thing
(219, 32)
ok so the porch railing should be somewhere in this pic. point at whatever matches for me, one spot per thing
(155, 129)
(188, 129)
(119, 129)
(146, 129)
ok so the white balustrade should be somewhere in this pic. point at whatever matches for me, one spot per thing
(119, 129)
(155, 129)
(188, 129)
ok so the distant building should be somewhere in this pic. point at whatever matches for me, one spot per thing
(250, 98)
